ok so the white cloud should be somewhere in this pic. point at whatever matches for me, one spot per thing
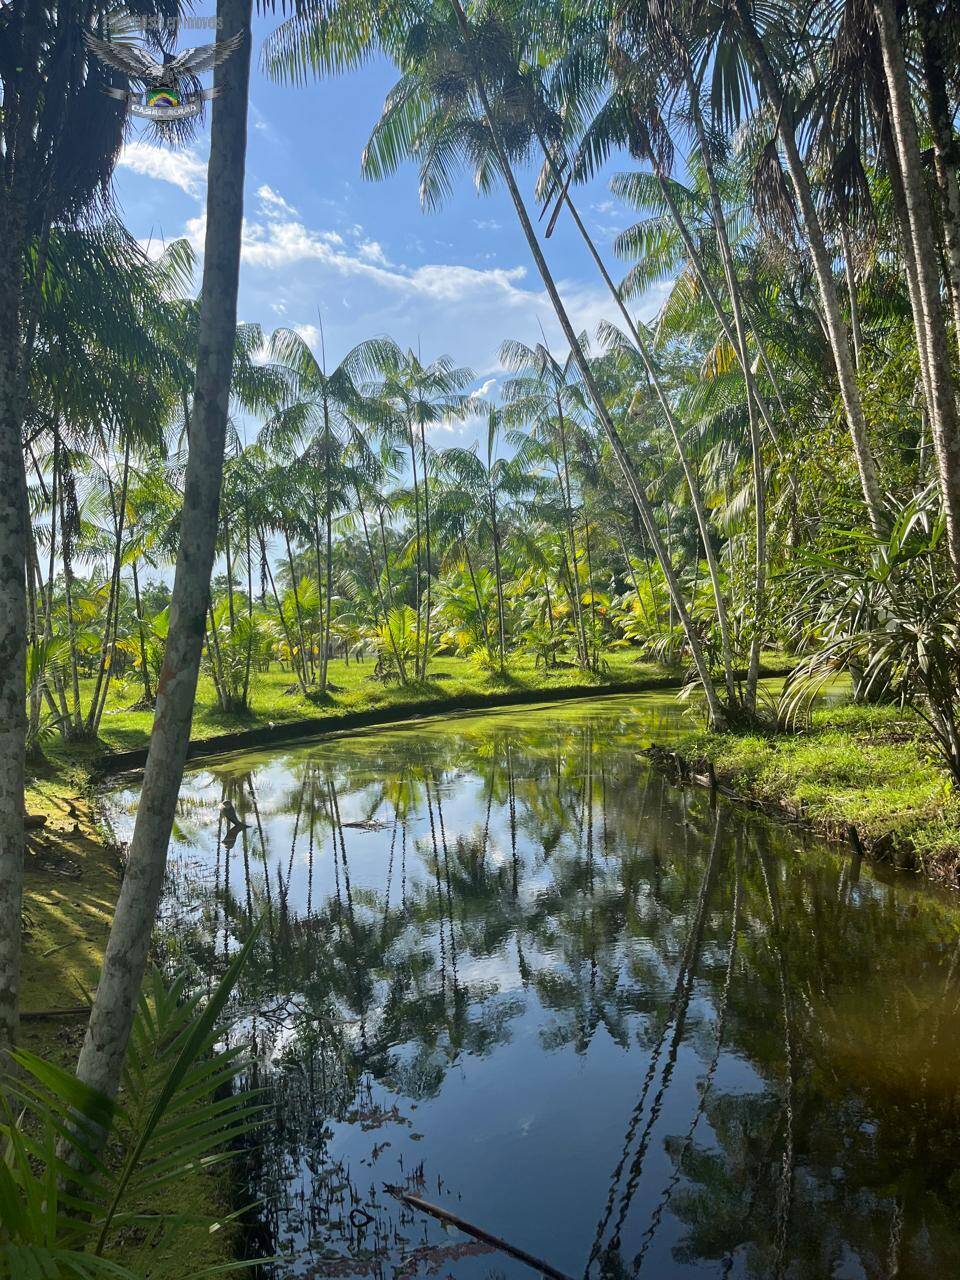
(184, 169)
(371, 251)
(309, 333)
(291, 268)
(487, 224)
(272, 203)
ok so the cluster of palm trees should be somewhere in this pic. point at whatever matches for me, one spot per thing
(777, 158)
(342, 529)
(777, 457)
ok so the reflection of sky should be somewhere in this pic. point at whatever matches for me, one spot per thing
(516, 1110)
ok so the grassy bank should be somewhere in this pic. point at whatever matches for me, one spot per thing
(275, 697)
(865, 767)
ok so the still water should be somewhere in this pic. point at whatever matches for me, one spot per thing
(508, 967)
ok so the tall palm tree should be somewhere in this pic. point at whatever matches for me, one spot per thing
(59, 138)
(111, 1018)
(320, 417)
(546, 395)
(414, 397)
(489, 487)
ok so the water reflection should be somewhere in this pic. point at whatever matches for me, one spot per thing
(507, 966)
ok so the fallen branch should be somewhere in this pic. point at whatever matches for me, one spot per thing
(444, 1215)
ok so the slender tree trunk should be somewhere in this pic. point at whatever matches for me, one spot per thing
(215, 654)
(823, 267)
(851, 275)
(296, 604)
(104, 671)
(426, 531)
(419, 582)
(295, 666)
(481, 609)
(499, 575)
(944, 421)
(630, 569)
(14, 527)
(944, 144)
(66, 543)
(715, 711)
(567, 491)
(144, 666)
(228, 554)
(378, 588)
(755, 403)
(328, 498)
(320, 590)
(111, 1018)
(249, 654)
(693, 486)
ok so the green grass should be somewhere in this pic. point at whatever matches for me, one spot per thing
(866, 766)
(275, 697)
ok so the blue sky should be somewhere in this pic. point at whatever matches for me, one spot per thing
(321, 241)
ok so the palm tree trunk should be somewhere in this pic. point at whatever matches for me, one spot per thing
(66, 543)
(851, 275)
(823, 268)
(693, 485)
(944, 421)
(104, 671)
(144, 668)
(296, 604)
(249, 654)
(481, 610)
(14, 527)
(944, 146)
(328, 499)
(374, 573)
(755, 402)
(595, 661)
(320, 590)
(294, 665)
(499, 576)
(631, 570)
(216, 660)
(565, 488)
(391, 599)
(419, 571)
(426, 531)
(228, 554)
(111, 1018)
(715, 711)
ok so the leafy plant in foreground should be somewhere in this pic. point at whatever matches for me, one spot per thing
(65, 1196)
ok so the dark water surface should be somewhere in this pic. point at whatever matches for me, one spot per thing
(509, 967)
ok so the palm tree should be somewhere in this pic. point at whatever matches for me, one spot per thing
(111, 1017)
(546, 395)
(319, 419)
(412, 397)
(487, 489)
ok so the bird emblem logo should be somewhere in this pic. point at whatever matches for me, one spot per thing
(171, 94)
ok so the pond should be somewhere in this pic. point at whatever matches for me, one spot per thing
(509, 968)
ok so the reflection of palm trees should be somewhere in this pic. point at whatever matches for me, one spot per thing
(676, 1016)
(706, 1086)
(604, 882)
